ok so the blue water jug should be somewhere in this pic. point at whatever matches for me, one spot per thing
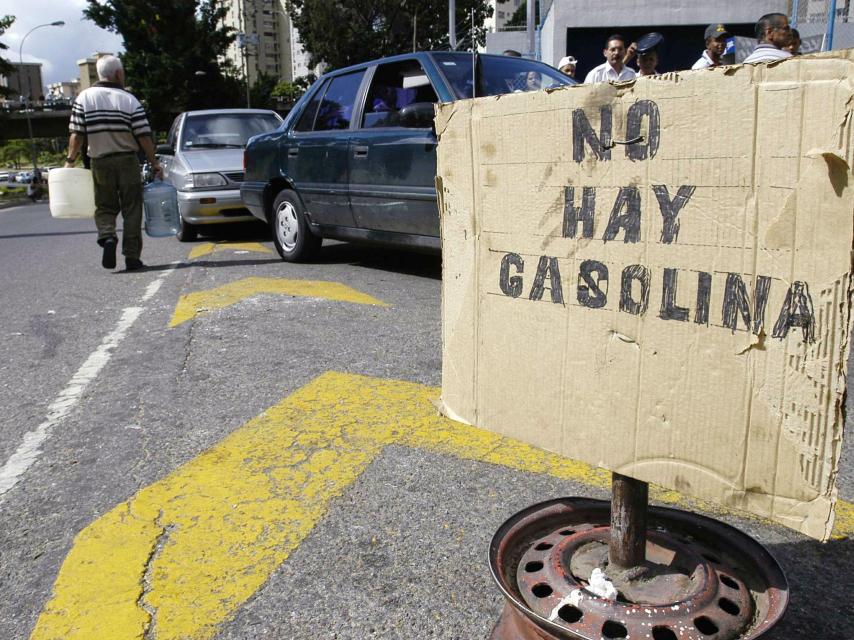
(160, 203)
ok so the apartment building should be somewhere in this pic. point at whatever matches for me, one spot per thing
(63, 90)
(88, 69)
(25, 81)
(263, 44)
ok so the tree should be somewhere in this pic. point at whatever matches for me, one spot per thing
(520, 16)
(12, 152)
(174, 52)
(261, 93)
(287, 92)
(6, 67)
(339, 33)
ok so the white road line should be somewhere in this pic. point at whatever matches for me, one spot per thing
(30, 449)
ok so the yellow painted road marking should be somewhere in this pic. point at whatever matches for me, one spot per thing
(186, 552)
(192, 304)
(207, 248)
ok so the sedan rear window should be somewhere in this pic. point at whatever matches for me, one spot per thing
(498, 74)
(225, 130)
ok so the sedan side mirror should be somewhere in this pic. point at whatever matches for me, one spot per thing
(164, 150)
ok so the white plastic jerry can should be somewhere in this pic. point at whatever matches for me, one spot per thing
(160, 203)
(71, 192)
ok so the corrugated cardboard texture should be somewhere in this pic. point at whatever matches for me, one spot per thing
(676, 308)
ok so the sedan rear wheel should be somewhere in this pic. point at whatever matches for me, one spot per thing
(291, 235)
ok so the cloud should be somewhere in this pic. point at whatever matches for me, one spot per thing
(57, 48)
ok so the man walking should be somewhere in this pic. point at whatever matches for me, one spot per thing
(716, 37)
(773, 33)
(613, 69)
(114, 124)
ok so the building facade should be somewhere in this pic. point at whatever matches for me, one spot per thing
(63, 90)
(24, 83)
(88, 70)
(263, 45)
(579, 28)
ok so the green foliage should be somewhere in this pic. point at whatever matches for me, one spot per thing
(15, 152)
(6, 67)
(520, 16)
(287, 92)
(261, 93)
(173, 52)
(343, 32)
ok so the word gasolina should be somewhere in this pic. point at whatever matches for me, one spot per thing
(636, 279)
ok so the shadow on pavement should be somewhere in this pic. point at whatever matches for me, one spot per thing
(242, 231)
(821, 584)
(203, 263)
(425, 265)
(54, 233)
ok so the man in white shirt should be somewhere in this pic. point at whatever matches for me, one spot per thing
(613, 70)
(773, 33)
(716, 37)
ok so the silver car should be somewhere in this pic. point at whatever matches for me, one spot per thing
(203, 159)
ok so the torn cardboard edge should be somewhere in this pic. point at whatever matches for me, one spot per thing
(782, 354)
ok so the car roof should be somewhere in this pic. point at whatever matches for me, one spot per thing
(408, 56)
(218, 112)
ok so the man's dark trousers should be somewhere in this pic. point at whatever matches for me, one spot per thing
(118, 187)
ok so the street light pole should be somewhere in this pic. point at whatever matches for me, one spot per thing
(58, 23)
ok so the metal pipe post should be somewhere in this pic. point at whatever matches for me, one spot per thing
(831, 23)
(629, 499)
(452, 24)
(58, 23)
(532, 46)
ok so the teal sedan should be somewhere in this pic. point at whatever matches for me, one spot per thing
(355, 160)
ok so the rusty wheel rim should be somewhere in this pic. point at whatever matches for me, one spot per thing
(729, 585)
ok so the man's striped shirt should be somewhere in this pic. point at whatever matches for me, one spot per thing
(110, 118)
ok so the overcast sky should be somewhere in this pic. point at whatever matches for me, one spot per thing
(57, 48)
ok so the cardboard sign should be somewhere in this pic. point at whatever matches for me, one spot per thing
(654, 277)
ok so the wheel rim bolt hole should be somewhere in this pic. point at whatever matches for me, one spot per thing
(729, 582)
(613, 629)
(705, 626)
(570, 614)
(663, 633)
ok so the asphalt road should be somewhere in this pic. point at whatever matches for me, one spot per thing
(399, 550)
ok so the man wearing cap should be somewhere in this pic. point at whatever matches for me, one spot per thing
(613, 69)
(647, 50)
(567, 65)
(774, 34)
(716, 37)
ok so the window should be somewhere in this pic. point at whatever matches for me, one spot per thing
(306, 121)
(399, 92)
(336, 108)
(225, 130)
(497, 74)
(173, 132)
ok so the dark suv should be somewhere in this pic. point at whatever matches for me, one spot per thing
(356, 158)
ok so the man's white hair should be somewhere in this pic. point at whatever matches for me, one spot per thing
(107, 67)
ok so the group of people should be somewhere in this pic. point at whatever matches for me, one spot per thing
(776, 40)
